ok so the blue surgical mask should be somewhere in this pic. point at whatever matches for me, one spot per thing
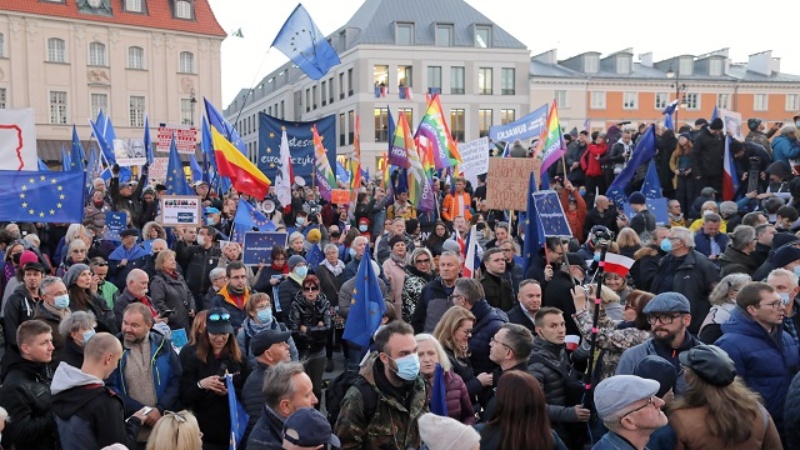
(264, 315)
(797, 270)
(301, 271)
(210, 221)
(582, 192)
(300, 221)
(597, 256)
(666, 245)
(61, 302)
(785, 299)
(408, 367)
(363, 228)
(352, 252)
(87, 335)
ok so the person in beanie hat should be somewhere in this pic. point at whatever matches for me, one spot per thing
(757, 134)
(80, 282)
(21, 304)
(446, 433)
(718, 409)
(631, 411)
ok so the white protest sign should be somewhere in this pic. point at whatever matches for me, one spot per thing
(130, 152)
(185, 138)
(732, 123)
(18, 140)
(158, 169)
(474, 159)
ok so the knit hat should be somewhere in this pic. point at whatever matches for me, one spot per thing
(28, 256)
(700, 122)
(73, 273)
(295, 260)
(785, 255)
(753, 124)
(716, 124)
(637, 198)
(445, 433)
(687, 136)
(314, 235)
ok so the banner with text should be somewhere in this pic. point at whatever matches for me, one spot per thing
(551, 214)
(185, 138)
(181, 210)
(130, 152)
(158, 170)
(258, 246)
(528, 127)
(507, 183)
(474, 159)
(301, 144)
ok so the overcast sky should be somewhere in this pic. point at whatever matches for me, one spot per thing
(576, 26)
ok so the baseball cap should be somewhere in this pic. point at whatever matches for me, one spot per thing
(307, 427)
(218, 321)
(265, 339)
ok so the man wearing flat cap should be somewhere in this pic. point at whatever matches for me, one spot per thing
(630, 409)
(669, 316)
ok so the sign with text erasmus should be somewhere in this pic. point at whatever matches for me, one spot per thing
(551, 214)
(301, 144)
(258, 246)
(528, 127)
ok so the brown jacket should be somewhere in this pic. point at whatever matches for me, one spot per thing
(692, 433)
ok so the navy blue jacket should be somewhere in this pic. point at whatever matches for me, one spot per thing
(765, 364)
(434, 301)
(166, 368)
(791, 418)
(702, 242)
(487, 321)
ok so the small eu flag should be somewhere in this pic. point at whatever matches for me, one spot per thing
(305, 45)
(367, 306)
(42, 196)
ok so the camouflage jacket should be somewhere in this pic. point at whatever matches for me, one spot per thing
(392, 427)
(610, 339)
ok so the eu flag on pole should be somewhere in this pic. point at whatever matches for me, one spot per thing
(248, 218)
(644, 151)
(76, 152)
(66, 164)
(239, 417)
(439, 394)
(148, 143)
(714, 114)
(652, 186)
(314, 257)
(301, 41)
(367, 306)
(176, 178)
(197, 172)
(534, 234)
(42, 196)
(106, 149)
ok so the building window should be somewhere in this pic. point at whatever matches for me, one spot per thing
(792, 102)
(97, 54)
(135, 58)
(98, 102)
(457, 124)
(342, 136)
(56, 50)
(623, 64)
(186, 62)
(330, 92)
(409, 113)
(324, 92)
(381, 125)
(715, 67)
(349, 82)
(508, 81)
(380, 75)
(485, 81)
(183, 9)
(692, 101)
(3, 99)
(351, 126)
(760, 102)
(724, 101)
(662, 100)
(308, 100)
(484, 121)
(630, 100)
(405, 76)
(685, 66)
(187, 112)
(444, 35)
(133, 6)
(313, 97)
(507, 116)
(2, 45)
(404, 34)
(560, 96)
(598, 100)
(137, 111)
(591, 63)
(341, 86)
(457, 80)
(483, 36)
(435, 78)
(58, 107)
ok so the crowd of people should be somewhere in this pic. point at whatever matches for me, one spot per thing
(697, 347)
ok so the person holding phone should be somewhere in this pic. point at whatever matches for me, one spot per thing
(169, 292)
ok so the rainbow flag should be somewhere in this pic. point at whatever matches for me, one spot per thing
(420, 191)
(551, 145)
(433, 132)
(325, 177)
(355, 167)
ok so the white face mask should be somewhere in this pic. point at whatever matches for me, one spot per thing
(201, 240)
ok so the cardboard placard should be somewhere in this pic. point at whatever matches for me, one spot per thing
(340, 196)
(507, 182)
(158, 170)
(474, 159)
(258, 246)
(183, 210)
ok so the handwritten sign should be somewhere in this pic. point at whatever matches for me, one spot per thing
(258, 246)
(474, 159)
(340, 196)
(507, 183)
(181, 210)
(185, 138)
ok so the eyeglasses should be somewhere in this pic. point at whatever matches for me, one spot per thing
(311, 288)
(776, 304)
(218, 317)
(665, 319)
(649, 402)
(79, 251)
(503, 344)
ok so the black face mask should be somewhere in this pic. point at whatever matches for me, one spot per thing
(16, 257)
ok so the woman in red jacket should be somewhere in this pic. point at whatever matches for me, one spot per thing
(590, 163)
(430, 353)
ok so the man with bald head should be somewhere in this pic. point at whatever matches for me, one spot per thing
(88, 413)
(135, 292)
(603, 213)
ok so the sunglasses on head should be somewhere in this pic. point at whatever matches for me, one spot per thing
(218, 317)
(311, 288)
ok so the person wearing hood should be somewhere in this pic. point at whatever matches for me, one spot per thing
(756, 134)
(150, 232)
(235, 295)
(26, 389)
(89, 414)
(785, 146)
(126, 257)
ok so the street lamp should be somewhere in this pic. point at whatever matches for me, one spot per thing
(678, 89)
(193, 101)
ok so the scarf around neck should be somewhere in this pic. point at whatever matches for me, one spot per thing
(335, 270)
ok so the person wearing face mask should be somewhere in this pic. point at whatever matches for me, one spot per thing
(310, 323)
(723, 301)
(291, 286)
(390, 374)
(53, 308)
(785, 283)
(198, 260)
(76, 330)
(647, 259)
(11, 264)
(260, 317)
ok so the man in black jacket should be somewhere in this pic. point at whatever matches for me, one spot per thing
(496, 287)
(26, 389)
(530, 300)
(707, 155)
(125, 197)
(644, 221)
(198, 261)
(603, 213)
(21, 304)
(270, 347)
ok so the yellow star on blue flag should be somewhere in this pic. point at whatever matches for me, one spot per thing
(36, 196)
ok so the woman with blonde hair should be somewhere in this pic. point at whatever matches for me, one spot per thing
(723, 302)
(453, 332)
(431, 353)
(628, 242)
(176, 431)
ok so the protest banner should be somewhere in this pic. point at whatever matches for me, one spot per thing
(340, 196)
(551, 214)
(158, 170)
(18, 140)
(185, 138)
(528, 127)
(130, 152)
(116, 221)
(181, 210)
(258, 246)
(731, 123)
(474, 159)
(301, 144)
(507, 183)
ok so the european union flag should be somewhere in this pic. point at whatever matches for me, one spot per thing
(148, 143)
(238, 414)
(41, 196)
(439, 394)
(218, 121)
(644, 151)
(342, 174)
(176, 178)
(305, 45)
(66, 164)
(197, 172)
(248, 218)
(367, 306)
(105, 146)
(534, 234)
(652, 186)
(76, 152)
(314, 257)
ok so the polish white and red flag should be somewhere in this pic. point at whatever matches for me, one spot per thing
(617, 264)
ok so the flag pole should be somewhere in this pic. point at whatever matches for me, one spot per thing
(587, 377)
